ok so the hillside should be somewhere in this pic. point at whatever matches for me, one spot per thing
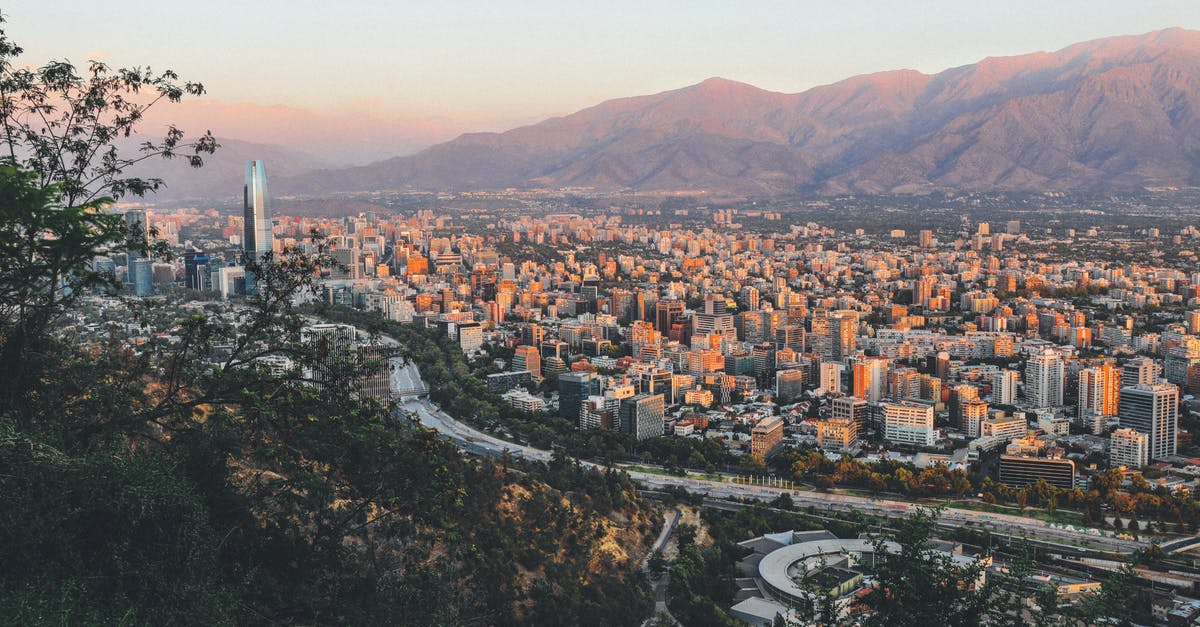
(1116, 113)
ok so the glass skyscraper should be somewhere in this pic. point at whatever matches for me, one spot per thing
(258, 239)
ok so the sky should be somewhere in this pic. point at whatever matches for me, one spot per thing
(498, 63)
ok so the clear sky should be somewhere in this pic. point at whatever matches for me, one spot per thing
(523, 60)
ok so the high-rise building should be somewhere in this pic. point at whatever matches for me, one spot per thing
(766, 436)
(1142, 370)
(642, 415)
(141, 276)
(1044, 379)
(838, 435)
(909, 423)
(1099, 393)
(137, 233)
(666, 313)
(257, 238)
(527, 358)
(1004, 387)
(974, 413)
(851, 408)
(1153, 410)
(714, 319)
(573, 388)
(1129, 448)
(959, 395)
(834, 335)
(789, 384)
(870, 378)
(331, 345)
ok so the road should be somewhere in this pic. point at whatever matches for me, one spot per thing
(659, 586)
(478, 443)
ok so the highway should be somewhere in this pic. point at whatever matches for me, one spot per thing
(406, 377)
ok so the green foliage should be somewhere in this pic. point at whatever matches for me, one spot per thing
(45, 263)
(916, 585)
(93, 538)
(62, 124)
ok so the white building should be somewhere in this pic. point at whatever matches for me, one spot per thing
(908, 423)
(1044, 379)
(1128, 448)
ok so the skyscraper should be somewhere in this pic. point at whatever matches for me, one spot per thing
(257, 238)
(1099, 392)
(1153, 410)
(1044, 379)
(137, 238)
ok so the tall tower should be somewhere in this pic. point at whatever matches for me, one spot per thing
(1099, 391)
(257, 237)
(1044, 379)
(1153, 410)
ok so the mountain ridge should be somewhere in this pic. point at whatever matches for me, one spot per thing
(1114, 113)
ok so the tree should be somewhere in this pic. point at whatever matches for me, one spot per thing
(46, 251)
(916, 585)
(64, 125)
(61, 167)
(657, 563)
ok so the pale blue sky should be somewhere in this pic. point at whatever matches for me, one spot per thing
(522, 60)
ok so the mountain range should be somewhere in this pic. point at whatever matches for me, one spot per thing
(1109, 114)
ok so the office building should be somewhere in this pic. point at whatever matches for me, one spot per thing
(573, 388)
(1154, 411)
(643, 415)
(838, 435)
(257, 236)
(851, 408)
(666, 314)
(527, 358)
(1129, 448)
(908, 423)
(1017, 471)
(789, 385)
(766, 436)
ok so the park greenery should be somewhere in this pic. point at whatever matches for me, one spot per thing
(1129, 506)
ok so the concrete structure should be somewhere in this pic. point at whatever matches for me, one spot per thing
(1129, 448)
(573, 388)
(1044, 379)
(1004, 387)
(766, 436)
(642, 415)
(838, 435)
(1019, 470)
(781, 569)
(851, 408)
(908, 423)
(1153, 410)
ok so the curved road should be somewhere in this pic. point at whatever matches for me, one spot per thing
(406, 376)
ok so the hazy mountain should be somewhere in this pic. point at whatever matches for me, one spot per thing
(1119, 112)
(224, 172)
